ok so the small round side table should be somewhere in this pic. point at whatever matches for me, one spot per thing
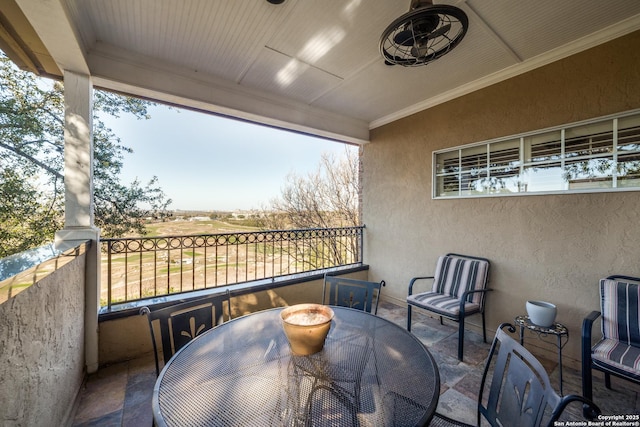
(558, 329)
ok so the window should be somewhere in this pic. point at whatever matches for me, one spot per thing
(598, 155)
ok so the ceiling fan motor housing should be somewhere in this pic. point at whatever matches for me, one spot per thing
(417, 4)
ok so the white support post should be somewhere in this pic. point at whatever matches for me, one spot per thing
(78, 214)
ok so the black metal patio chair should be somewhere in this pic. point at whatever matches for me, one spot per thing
(178, 324)
(617, 353)
(520, 393)
(352, 293)
(458, 291)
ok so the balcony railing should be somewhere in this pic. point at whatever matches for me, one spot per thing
(148, 267)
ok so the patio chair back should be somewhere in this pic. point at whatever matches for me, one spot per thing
(456, 275)
(176, 325)
(619, 300)
(352, 293)
(520, 392)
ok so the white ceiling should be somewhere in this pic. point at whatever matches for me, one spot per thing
(309, 65)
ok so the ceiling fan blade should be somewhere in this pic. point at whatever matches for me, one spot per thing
(439, 32)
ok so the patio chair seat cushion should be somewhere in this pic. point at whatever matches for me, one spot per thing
(455, 275)
(439, 303)
(618, 357)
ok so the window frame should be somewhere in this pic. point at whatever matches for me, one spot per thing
(601, 147)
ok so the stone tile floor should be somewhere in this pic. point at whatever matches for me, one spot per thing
(120, 394)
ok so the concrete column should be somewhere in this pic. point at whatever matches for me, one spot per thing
(78, 214)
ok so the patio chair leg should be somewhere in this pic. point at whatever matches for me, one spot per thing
(461, 339)
(484, 329)
(607, 380)
(409, 318)
(587, 380)
(441, 320)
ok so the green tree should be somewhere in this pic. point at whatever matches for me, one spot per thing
(32, 160)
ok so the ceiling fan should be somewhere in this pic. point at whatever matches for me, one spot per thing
(423, 34)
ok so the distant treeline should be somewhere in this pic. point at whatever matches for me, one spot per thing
(216, 214)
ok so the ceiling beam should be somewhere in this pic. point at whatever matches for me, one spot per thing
(50, 22)
(19, 41)
(126, 72)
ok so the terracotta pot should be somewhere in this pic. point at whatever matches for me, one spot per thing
(306, 327)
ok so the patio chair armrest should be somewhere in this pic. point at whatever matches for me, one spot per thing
(472, 291)
(587, 326)
(588, 405)
(415, 279)
(466, 294)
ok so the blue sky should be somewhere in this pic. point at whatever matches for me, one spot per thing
(207, 162)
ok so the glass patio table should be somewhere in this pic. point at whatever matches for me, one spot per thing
(371, 372)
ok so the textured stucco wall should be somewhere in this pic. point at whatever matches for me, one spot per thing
(42, 349)
(548, 247)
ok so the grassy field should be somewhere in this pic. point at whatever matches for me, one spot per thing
(186, 227)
